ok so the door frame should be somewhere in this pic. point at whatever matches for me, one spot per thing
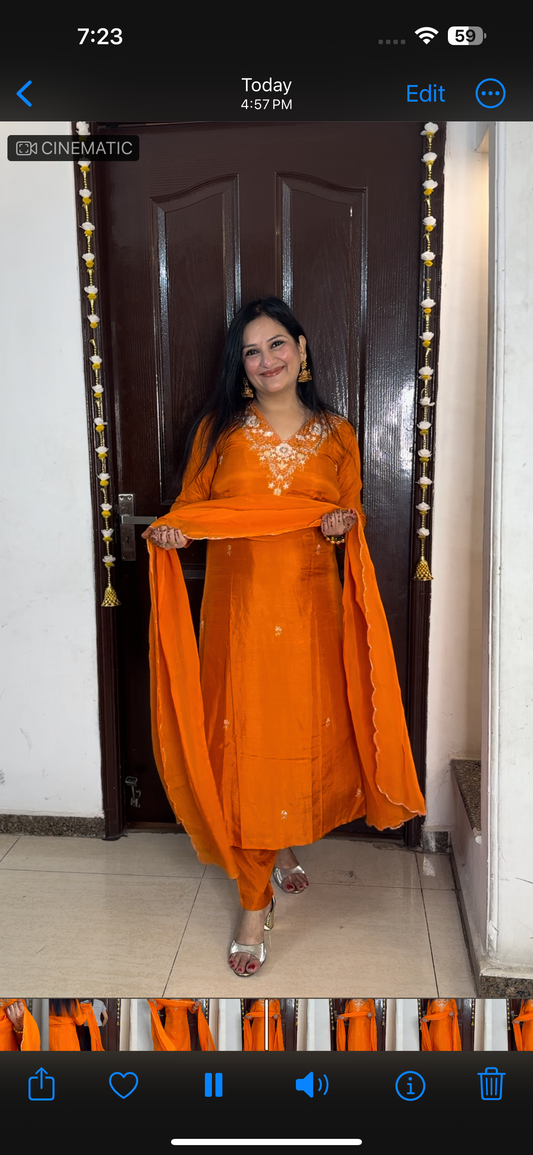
(416, 707)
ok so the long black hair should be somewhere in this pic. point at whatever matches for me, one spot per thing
(226, 407)
(62, 1006)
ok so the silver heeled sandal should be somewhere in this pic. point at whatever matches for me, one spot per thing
(279, 874)
(257, 949)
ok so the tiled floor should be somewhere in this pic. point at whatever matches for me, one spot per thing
(142, 917)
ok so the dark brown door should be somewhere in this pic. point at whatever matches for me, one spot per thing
(326, 216)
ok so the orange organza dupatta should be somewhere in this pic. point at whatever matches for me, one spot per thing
(391, 788)
(62, 1029)
(254, 1027)
(175, 1035)
(440, 1028)
(362, 1031)
(30, 1039)
(524, 1034)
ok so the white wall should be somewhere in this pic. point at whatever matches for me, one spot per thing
(455, 646)
(50, 752)
(507, 770)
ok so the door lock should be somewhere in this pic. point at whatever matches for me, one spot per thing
(135, 794)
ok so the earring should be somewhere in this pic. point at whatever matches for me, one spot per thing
(304, 374)
(247, 390)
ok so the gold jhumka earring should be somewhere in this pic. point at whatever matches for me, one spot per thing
(247, 390)
(304, 374)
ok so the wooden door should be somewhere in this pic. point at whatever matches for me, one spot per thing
(326, 216)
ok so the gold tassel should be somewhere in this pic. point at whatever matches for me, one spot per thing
(110, 596)
(422, 572)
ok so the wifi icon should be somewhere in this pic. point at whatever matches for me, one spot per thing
(427, 34)
(308, 1085)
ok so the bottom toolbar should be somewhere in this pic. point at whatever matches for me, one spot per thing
(163, 1100)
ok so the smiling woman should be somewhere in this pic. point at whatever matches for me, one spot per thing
(296, 723)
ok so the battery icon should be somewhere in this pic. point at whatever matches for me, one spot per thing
(491, 1080)
(463, 35)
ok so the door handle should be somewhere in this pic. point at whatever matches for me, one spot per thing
(128, 520)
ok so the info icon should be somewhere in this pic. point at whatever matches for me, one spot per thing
(410, 1085)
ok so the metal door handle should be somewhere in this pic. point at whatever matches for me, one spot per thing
(128, 519)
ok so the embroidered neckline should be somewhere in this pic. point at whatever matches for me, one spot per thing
(284, 458)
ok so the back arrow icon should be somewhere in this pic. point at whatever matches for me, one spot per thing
(23, 89)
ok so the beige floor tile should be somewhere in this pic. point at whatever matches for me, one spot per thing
(435, 871)
(342, 942)
(118, 936)
(342, 863)
(450, 956)
(345, 863)
(7, 841)
(139, 853)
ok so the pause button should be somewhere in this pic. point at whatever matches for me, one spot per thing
(208, 1086)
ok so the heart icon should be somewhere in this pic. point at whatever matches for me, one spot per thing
(123, 1094)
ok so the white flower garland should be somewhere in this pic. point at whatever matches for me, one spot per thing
(110, 596)
(426, 373)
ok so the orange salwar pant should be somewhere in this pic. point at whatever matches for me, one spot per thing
(253, 879)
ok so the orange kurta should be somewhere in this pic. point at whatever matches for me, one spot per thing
(440, 1026)
(29, 1040)
(360, 1015)
(292, 721)
(254, 1027)
(523, 1026)
(63, 1035)
(175, 1034)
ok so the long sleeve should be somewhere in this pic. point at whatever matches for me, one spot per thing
(349, 472)
(197, 482)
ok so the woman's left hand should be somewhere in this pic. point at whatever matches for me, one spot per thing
(339, 522)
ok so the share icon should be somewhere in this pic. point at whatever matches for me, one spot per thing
(308, 1085)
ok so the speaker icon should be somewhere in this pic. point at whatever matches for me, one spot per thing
(308, 1085)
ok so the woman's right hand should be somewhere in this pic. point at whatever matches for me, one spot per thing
(15, 1012)
(166, 537)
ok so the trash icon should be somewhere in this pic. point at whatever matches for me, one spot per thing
(491, 1080)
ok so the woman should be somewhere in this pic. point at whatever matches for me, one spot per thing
(64, 1016)
(298, 724)
(18, 1029)
(170, 1025)
(440, 1026)
(359, 1020)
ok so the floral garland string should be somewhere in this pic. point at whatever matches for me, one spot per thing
(425, 373)
(110, 596)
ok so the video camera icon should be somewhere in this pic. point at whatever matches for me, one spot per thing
(26, 148)
(308, 1085)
